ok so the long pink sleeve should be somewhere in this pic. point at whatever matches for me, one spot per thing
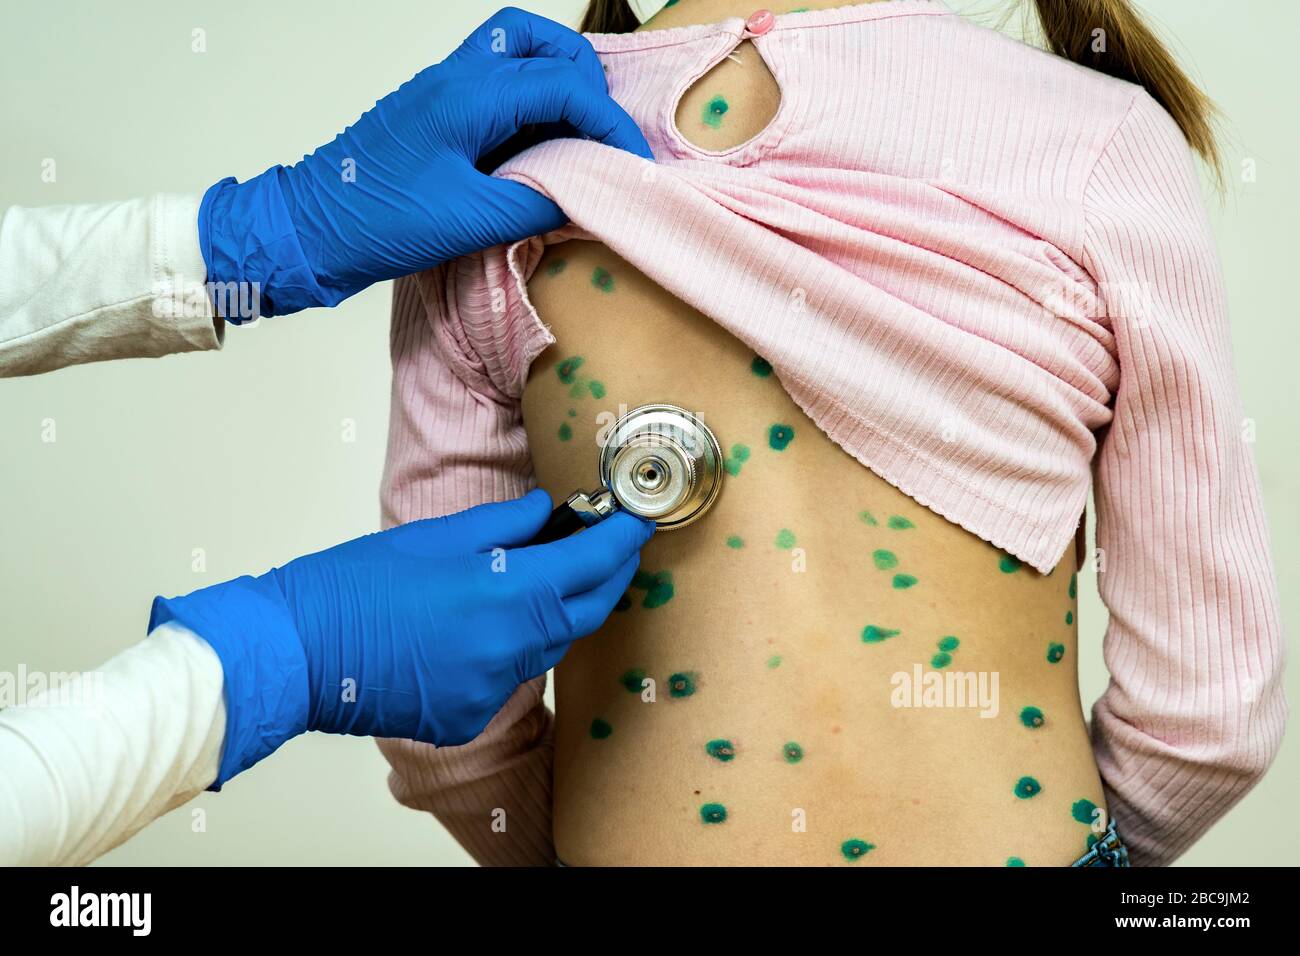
(456, 439)
(1194, 711)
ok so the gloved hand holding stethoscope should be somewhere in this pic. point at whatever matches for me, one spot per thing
(422, 631)
(437, 622)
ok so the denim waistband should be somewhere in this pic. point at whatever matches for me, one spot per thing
(1109, 850)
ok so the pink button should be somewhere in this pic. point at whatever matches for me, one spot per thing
(760, 22)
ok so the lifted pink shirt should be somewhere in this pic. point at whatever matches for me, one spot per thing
(984, 271)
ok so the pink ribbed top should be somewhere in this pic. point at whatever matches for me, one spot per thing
(983, 270)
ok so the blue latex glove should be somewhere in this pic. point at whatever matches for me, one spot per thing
(422, 631)
(399, 191)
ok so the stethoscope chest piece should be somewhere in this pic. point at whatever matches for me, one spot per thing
(657, 461)
(662, 463)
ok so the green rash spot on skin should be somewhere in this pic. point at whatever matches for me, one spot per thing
(1069, 617)
(1055, 652)
(631, 680)
(723, 750)
(600, 729)
(785, 539)
(713, 813)
(855, 850)
(681, 685)
(1015, 861)
(1027, 787)
(714, 110)
(658, 587)
(735, 542)
(1008, 565)
(899, 523)
(871, 634)
(568, 369)
(1083, 811)
(792, 752)
(884, 560)
(1091, 841)
(779, 436)
(1074, 586)
(739, 455)
(555, 268)
(565, 432)
(597, 389)
(868, 517)
(903, 581)
(949, 643)
(940, 660)
(760, 367)
(602, 280)
(774, 661)
(1032, 717)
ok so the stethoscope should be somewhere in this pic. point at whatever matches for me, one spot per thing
(657, 461)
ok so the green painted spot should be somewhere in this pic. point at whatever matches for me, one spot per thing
(568, 369)
(632, 680)
(1015, 861)
(565, 432)
(792, 752)
(1055, 652)
(597, 389)
(739, 455)
(774, 661)
(884, 560)
(1032, 717)
(871, 634)
(1074, 586)
(868, 517)
(1008, 565)
(735, 542)
(714, 110)
(713, 813)
(658, 587)
(760, 367)
(899, 523)
(903, 581)
(785, 539)
(1084, 811)
(555, 268)
(573, 413)
(723, 750)
(940, 660)
(949, 643)
(602, 280)
(1069, 617)
(855, 850)
(779, 436)
(681, 685)
(600, 729)
(1027, 787)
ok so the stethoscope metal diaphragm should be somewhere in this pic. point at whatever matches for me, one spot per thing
(657, 461)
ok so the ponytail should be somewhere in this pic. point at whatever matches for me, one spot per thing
(1110, 36)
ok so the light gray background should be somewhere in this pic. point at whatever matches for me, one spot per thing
(242, 453)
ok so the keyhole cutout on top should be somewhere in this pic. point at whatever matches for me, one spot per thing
(731, 104)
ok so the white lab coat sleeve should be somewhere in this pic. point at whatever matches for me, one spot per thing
(105, 281)
(86, 764)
